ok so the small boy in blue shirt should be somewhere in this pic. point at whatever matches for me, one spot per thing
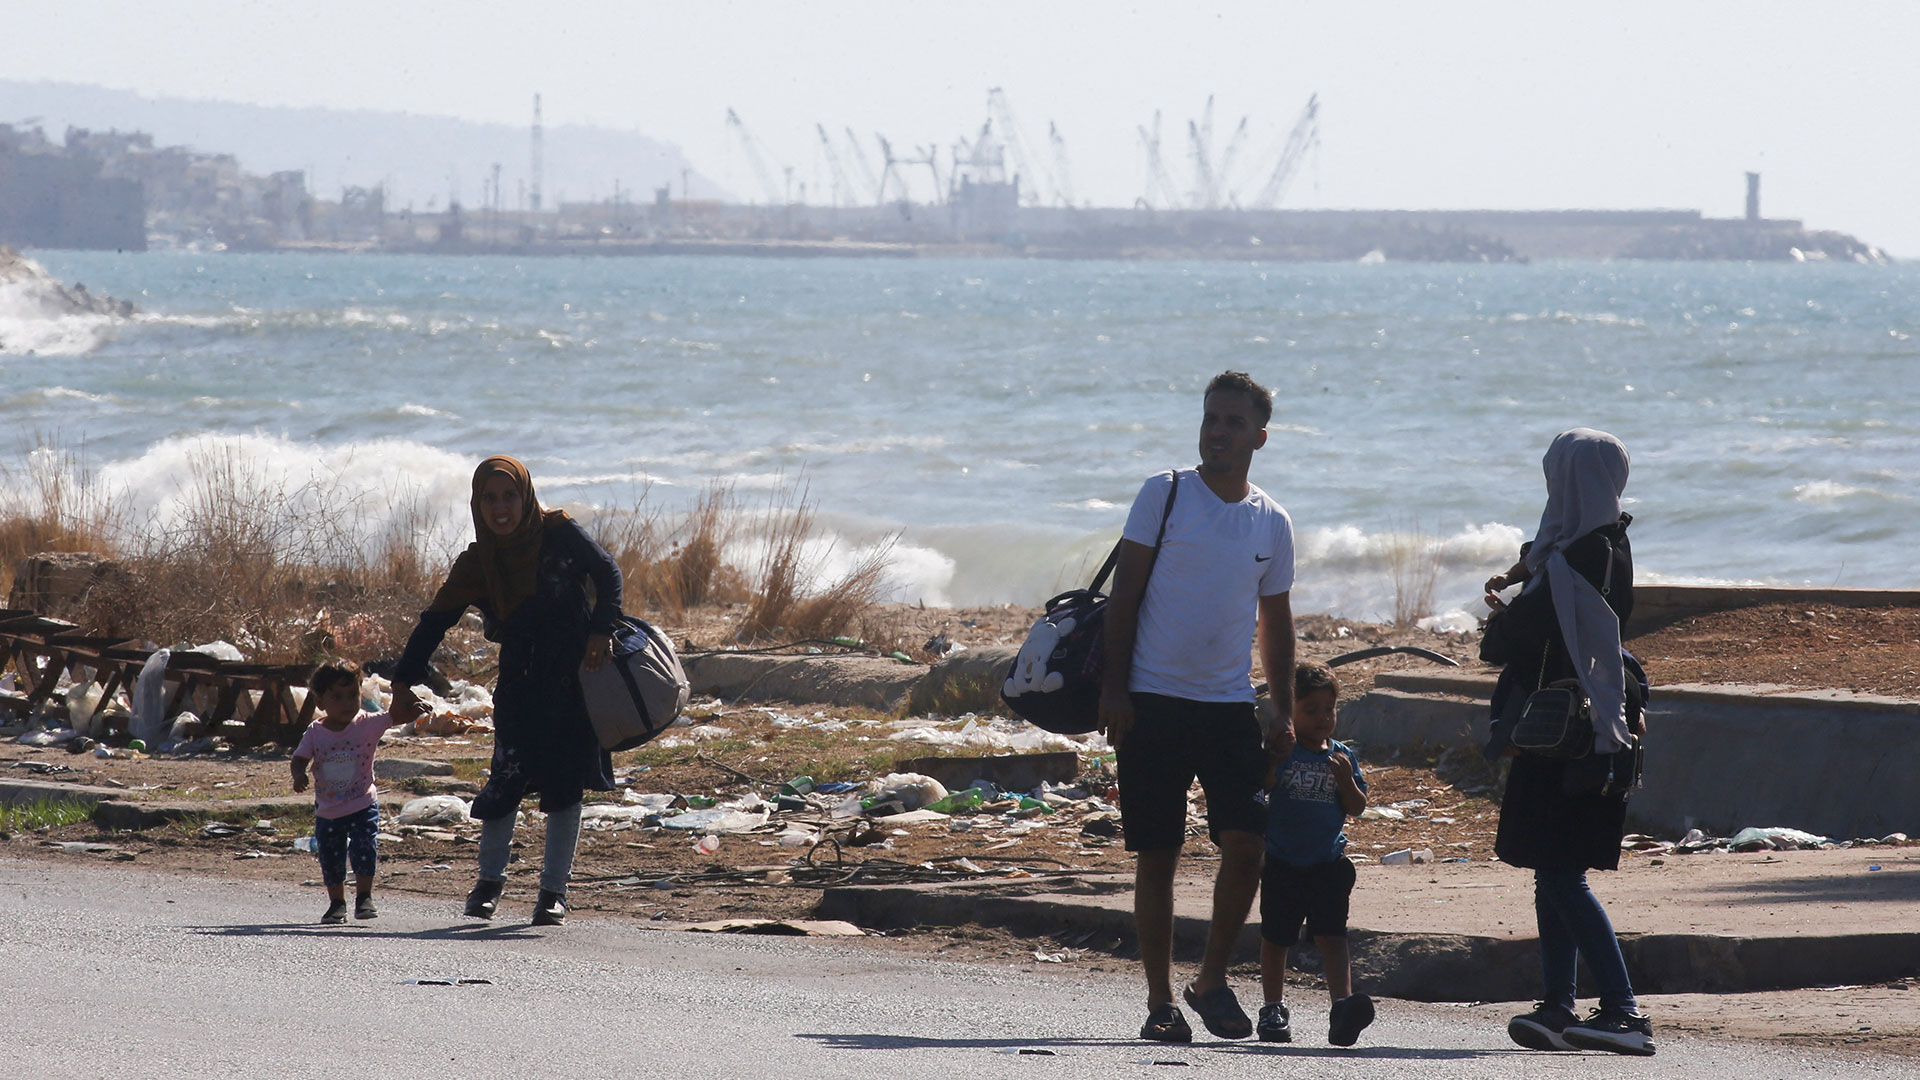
(1316, 785)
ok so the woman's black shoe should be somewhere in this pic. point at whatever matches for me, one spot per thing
(550, 909)
(484, 898)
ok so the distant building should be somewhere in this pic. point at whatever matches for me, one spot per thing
(53, 198)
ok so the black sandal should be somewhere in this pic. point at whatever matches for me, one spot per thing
(1165, 1024)
(1220, 1011)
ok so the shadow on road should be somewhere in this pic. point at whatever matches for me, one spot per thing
(851, 1041)
(466, 932)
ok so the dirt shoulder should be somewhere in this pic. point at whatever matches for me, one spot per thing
(633, 870)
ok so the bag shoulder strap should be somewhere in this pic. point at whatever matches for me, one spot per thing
(1113, 557)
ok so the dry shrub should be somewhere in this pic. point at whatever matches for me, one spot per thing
(673, 569)
(48, 505)
(1413, 558)
(632, 534)
(781, 606)
(697, 575)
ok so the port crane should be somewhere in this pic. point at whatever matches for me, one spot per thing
(1223, 193)
(859, 155)
(1062, 175)
(1002, 111)
(1303, 138)
(754, 158)
(842, 186)
(1158, 182)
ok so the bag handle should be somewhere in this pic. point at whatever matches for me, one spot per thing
(1113, 557)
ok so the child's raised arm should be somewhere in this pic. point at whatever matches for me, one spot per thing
(1352, 798)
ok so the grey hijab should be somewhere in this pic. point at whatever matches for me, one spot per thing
(1586, 472)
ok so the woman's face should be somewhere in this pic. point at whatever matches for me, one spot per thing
(500, 505)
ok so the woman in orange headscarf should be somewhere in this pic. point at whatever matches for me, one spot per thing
(527, 571)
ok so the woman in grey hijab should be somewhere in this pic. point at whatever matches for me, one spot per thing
(1561, 817)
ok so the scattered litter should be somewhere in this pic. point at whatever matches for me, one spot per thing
(781, 927)
(215, 829)
(435, 810)
(716, 820)
(79, 847)
(707, 844)
(1407, 857)
(1381, 813)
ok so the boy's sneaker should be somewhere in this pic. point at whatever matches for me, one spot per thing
(1612, 1029)
(1348, 1018)
(1275, 1025)
(363, 908)
(1541, 1029)
(336, 912)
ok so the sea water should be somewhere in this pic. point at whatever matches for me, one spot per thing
(999, 415)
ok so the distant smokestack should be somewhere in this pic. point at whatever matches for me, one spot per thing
(533, 187)
(1753, 196)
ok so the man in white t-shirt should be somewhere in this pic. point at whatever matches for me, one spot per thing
(1177, 701)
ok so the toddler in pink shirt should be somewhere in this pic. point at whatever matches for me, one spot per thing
(339, 747)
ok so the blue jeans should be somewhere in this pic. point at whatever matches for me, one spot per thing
(1573, 924)
(563, 835)
(354, 837)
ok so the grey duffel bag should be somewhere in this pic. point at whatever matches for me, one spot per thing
(639, 691)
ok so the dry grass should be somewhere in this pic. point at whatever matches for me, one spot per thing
(47, 505)
(287, 575)
(1413, 558)
(782, 606)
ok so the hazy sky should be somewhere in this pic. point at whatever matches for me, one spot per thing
(1508, 105)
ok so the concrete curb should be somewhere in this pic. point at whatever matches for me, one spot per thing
(1713, 752)
(1411, 965)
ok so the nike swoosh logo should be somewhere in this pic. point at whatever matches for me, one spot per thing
(1261, 558)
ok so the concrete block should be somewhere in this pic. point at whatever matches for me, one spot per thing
(395, 768)
(1012, 772)
(874, 682)
(969, 682)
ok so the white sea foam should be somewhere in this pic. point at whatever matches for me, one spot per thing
(411, 409)
(32, 322)
(374, 487)
(57, 393)
(1827, 491)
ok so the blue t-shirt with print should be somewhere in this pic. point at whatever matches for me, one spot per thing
(1304, 818)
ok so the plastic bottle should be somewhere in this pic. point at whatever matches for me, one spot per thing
(958, 801)
(799, 785)
(306, 843)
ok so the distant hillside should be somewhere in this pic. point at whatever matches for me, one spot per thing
(420, 158)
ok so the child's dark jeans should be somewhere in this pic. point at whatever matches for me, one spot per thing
(340, 839)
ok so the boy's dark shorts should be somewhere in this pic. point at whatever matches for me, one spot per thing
(1316, 895)
(1173, 741)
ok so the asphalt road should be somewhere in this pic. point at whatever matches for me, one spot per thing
(109, 971)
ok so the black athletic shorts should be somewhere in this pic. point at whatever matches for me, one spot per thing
(1172, 742)
(1316, 895)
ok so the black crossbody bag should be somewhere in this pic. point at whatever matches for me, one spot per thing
(1557, 720)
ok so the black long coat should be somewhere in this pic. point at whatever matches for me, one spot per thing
(543, 743)
(1558, 813)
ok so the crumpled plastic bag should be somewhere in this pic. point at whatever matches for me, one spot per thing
(716, 820)
(911, 790)
(436, 810)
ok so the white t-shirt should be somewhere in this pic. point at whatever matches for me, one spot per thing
(1197, 620)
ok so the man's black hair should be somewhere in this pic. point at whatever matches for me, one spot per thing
(1239, 382)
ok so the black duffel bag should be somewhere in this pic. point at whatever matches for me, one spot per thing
(1054, 683)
